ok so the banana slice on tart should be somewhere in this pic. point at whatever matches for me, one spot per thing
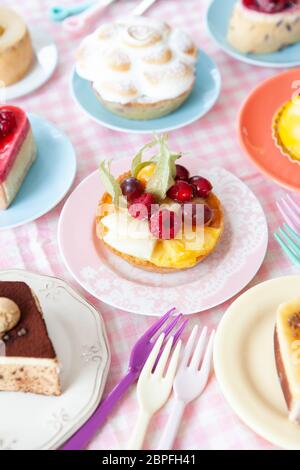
(286, 129)
(156, 216)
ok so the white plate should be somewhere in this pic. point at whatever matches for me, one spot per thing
(245, 364)
(33, 422)
(46, 58)
(111, 279)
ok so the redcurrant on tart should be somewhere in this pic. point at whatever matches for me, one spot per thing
(202, 187)
(181, 192)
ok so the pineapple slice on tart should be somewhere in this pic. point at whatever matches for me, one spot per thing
(156, 216)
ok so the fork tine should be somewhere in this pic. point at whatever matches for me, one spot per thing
(287, 212)
(154, 328)
(294, 205)
(176, 337)
(198, 353)
(173, 363)
(206, 364)
(292, 232)
(159, 370)
(147, 369)
(171, 325)
(189, 347)
(286, 249)
(179, 331)
(290, 241)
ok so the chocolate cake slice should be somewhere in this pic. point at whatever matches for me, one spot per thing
(287, 355)
(28, 361)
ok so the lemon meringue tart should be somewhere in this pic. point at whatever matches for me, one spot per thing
(156, 216)
(264, 26)
(140, 68)
(287, 355)
(286, 129)
(16, 51)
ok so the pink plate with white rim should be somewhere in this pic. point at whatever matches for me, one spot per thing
(111, 279)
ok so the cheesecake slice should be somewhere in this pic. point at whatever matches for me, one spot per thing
(264, 26)
(17, 152)
(287, 355)
(28, 361)
(16, 51)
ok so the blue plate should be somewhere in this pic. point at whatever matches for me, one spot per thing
(217, 18)
(49, 178)
(203, 97)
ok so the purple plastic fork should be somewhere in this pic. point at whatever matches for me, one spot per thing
(138, 357)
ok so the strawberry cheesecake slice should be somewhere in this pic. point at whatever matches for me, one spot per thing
(17, 152)
(264, 26)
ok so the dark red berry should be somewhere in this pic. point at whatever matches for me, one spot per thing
(269, 6)
(143, 207)
(181, 192)
(202, 187)
(165, 224)
(197, 215)
(7, 122)
(131, 188)
(182, 173)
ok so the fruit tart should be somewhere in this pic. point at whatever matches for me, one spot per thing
(264, 26)
(287, 355)
(157, 216)
(286, 129)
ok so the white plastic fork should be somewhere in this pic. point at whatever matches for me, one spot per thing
(154, 387)
(289, 208)
(189, 383)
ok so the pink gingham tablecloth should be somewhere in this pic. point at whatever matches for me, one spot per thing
(209, 423)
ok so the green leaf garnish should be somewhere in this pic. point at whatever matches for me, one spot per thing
(137, 163)
(110, 183)
(165, 171)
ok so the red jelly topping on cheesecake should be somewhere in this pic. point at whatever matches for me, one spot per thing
(14, 127)
(270, 6)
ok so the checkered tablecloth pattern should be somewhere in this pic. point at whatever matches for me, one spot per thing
(209, 423)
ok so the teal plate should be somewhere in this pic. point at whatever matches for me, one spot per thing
(217, 19)
(204, 95)
(49, 178)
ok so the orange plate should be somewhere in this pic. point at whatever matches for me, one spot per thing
(255, 128)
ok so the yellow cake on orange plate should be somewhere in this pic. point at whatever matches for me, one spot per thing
(286, 129)
(171, 222)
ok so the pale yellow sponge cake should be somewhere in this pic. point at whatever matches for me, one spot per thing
(287, 354)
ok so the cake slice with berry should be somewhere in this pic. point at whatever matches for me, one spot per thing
(17, 152)
(156, 216)
(287, 355)
(28, 361)
(264, 26)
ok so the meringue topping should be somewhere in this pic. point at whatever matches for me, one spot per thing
(138, 59)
